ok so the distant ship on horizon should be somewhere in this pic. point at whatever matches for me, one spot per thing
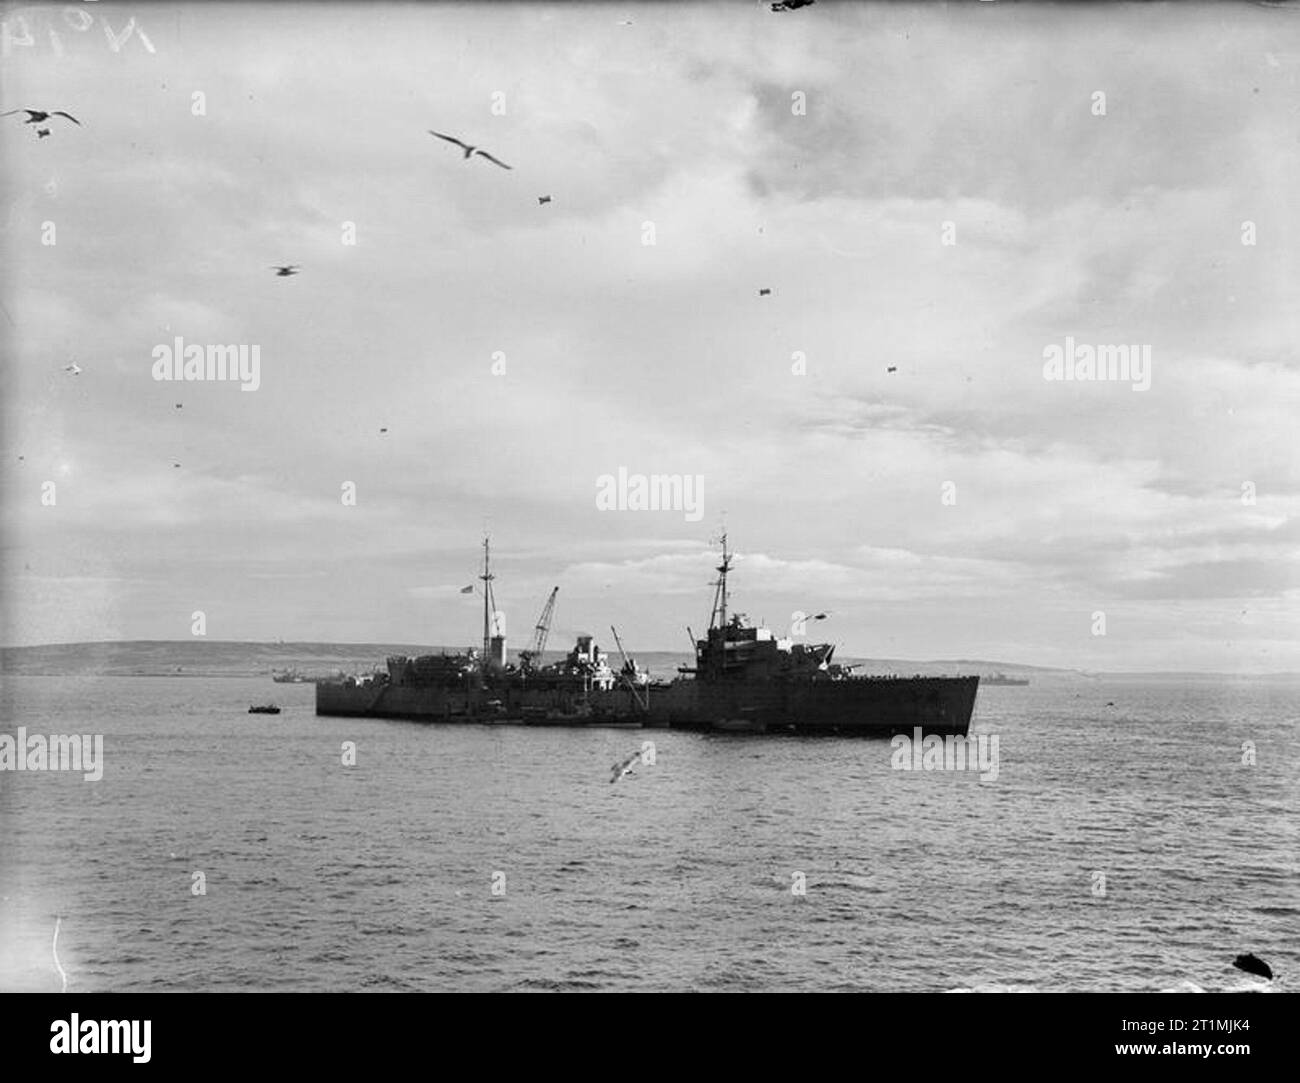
(289, 676)
(1002, 678)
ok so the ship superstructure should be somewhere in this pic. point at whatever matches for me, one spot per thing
(482, 685)
(746, 678)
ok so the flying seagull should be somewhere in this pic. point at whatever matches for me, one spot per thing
(765, 293)
(180, 406)
(1252, 965)
(41, 133)
(286, 271)
(892, 368)
(543, 199)
(619, 770)
(469, 151)
(382, 431)
(73, 368)
(35, 116)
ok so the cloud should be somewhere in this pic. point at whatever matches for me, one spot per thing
(663, 358)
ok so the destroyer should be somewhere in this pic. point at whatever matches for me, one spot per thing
(745, 679)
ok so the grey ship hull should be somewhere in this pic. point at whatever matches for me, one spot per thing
(538, 704)
(869, 705)
(860, 705)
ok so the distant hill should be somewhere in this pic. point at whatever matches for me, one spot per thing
(218, 658)
(198, 658)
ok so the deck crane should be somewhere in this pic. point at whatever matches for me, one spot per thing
(532, 657)
(628, 672)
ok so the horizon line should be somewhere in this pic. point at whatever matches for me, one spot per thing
(928, 661)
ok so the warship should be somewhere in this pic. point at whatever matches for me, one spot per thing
(744, 679)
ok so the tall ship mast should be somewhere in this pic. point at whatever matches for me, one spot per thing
(494, 640)
(487, 578)
(718, 618)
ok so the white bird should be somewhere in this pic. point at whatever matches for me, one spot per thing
(625, 768)
(73, 368)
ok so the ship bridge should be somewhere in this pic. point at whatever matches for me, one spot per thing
(739, 649)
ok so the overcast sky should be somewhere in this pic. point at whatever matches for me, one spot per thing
(1070, 498)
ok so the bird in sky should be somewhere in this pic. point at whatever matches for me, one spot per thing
(73, 368)
(543, 199)
(382, 431)
(285, 271)
(470, 151)
(35, 116)
(620, 770)
(765, 293)
(41, 133)
(892, 368)
(180, 406)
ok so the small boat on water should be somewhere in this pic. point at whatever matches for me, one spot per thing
(266, 708)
